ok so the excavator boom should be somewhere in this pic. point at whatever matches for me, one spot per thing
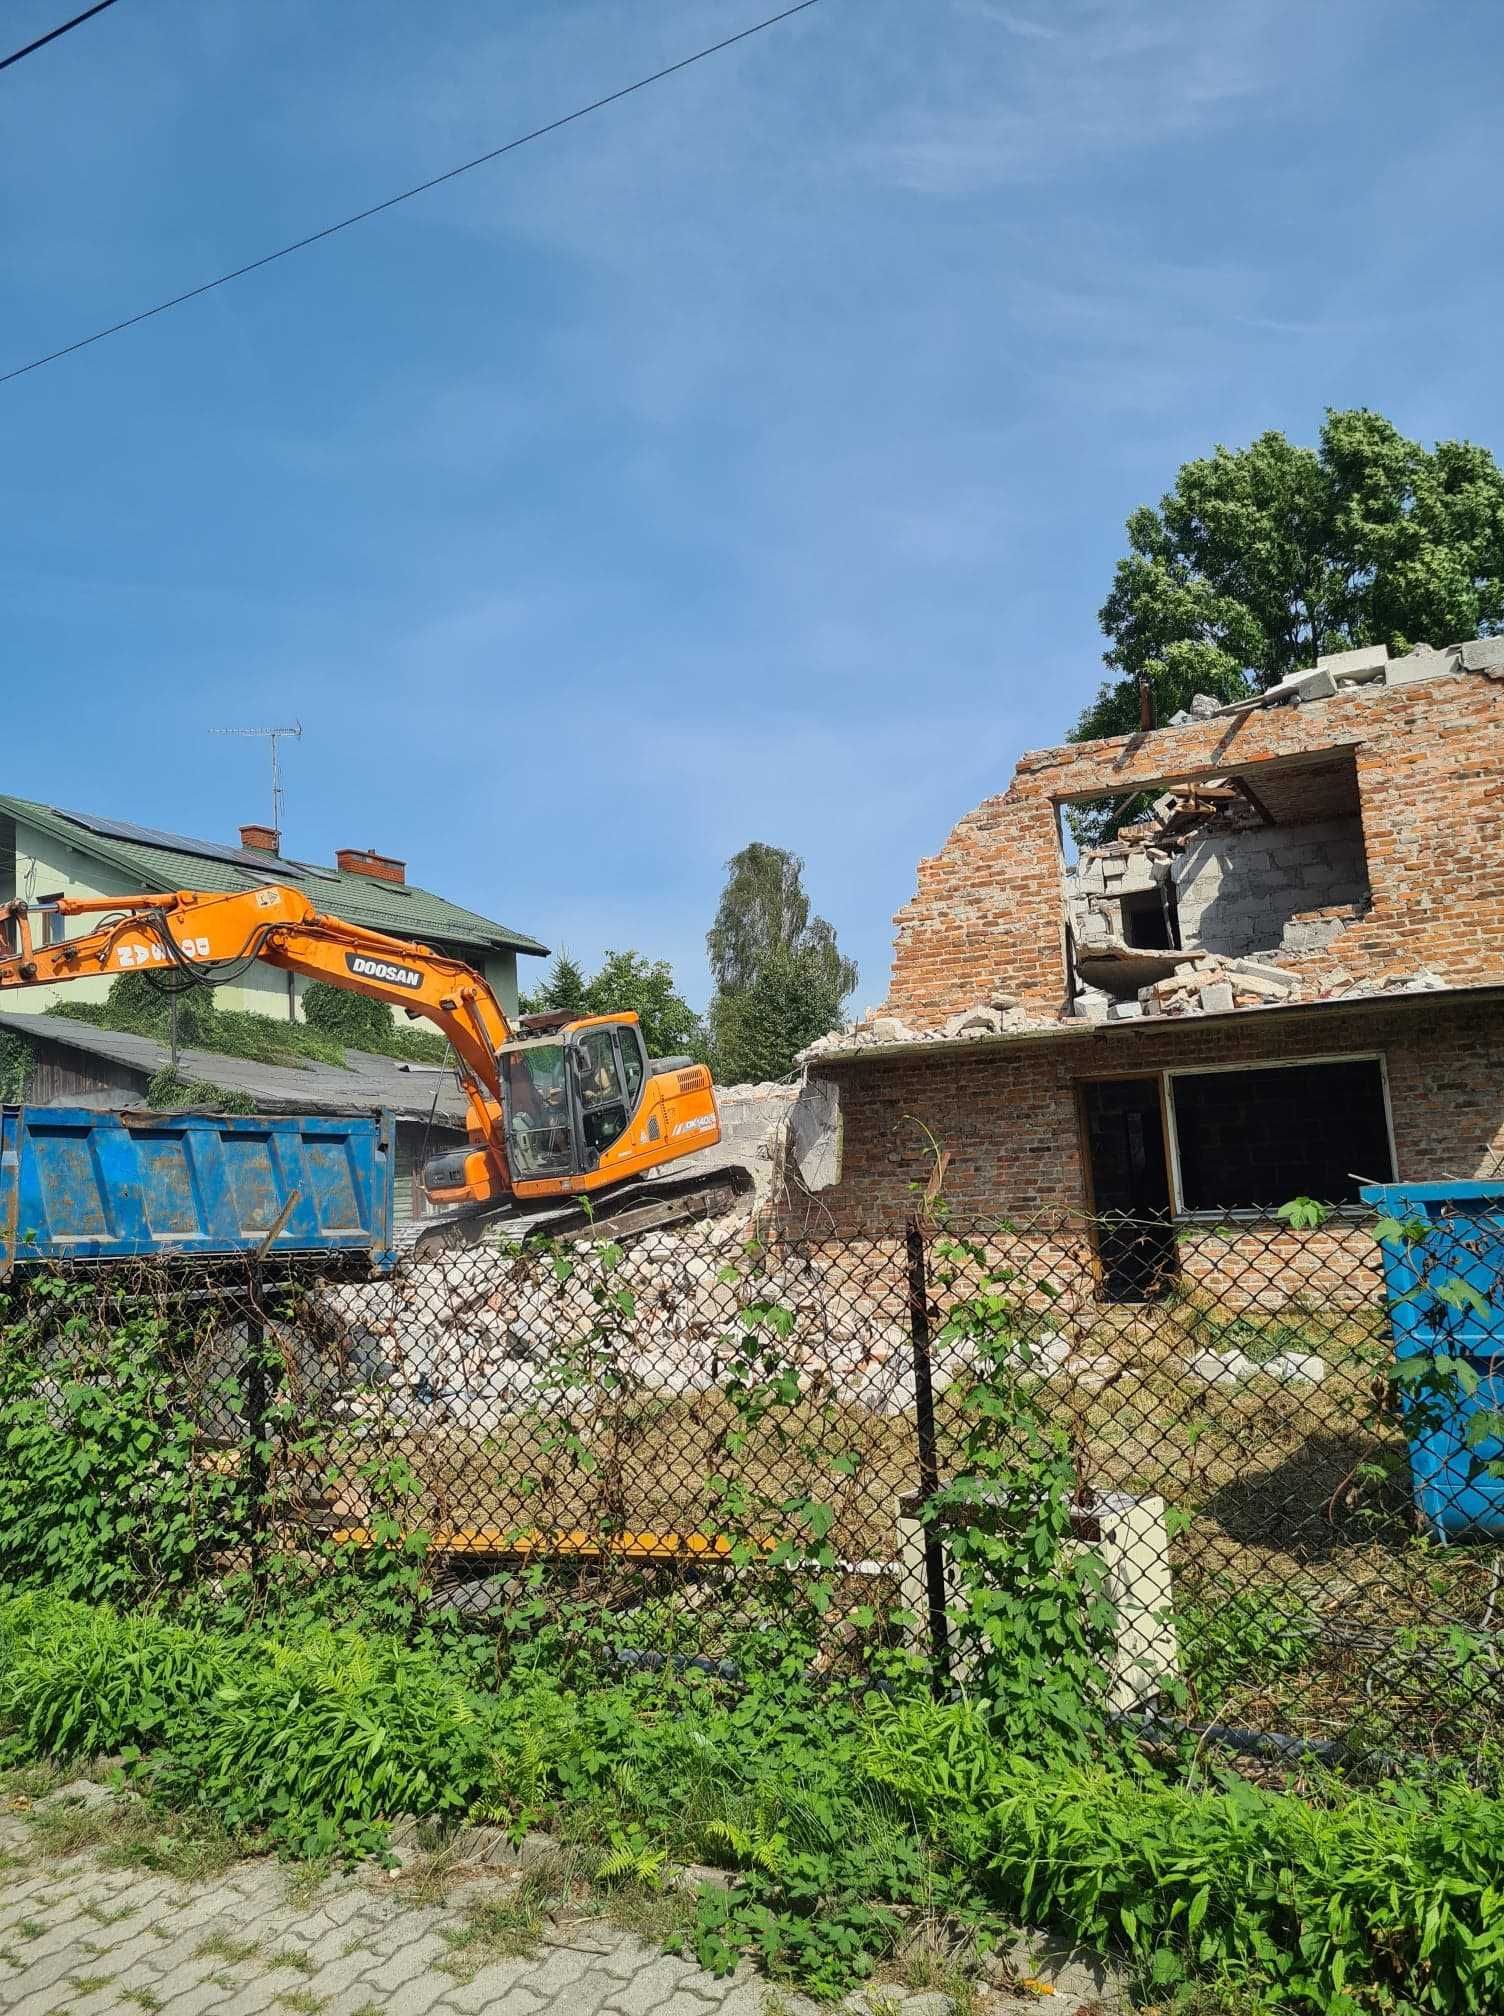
(574, 1112)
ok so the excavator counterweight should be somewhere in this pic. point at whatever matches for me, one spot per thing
(558, 1114)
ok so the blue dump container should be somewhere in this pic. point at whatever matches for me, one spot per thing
(79, 1185)
(1445, 1279)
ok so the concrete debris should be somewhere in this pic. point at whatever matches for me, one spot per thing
(975, 1022)
(814, 1134)
(1297, 1368)
(1222, 1368)
(1217, 998)
(1484, 654)
(467, 1341)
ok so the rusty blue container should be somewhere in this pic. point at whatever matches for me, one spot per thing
(79, 1185)
(1444, 1276)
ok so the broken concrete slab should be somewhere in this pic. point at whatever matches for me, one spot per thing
(1483, 654)
(1366, 658)
(1217, 998)
(980, 1021)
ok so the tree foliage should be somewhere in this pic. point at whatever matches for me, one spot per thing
(563, 987)
(645, 987)
(1260, 559)
(626, 983)
(780, 976)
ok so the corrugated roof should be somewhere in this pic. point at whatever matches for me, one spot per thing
(400, 908)
(370, 1081)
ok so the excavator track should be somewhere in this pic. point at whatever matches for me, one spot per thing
(628, 1213)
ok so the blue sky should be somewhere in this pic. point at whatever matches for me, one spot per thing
(747, 462)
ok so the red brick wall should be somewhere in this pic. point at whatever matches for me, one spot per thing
(1007, 1110)
(988, 914)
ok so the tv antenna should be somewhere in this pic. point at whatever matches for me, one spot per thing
(272, 735)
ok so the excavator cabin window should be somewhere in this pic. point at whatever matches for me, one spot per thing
(538, 1109)
(605, 1101)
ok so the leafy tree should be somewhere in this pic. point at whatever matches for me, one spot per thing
(563, 987)
(758, 1031)
(628, 983)
(780, 976)
(1260, 559)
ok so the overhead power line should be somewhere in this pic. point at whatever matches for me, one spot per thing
(53, 33)
(406, 195)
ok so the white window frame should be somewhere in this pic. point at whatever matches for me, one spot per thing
(1250, 1213)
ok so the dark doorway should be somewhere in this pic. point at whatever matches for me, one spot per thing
(1130, 1187)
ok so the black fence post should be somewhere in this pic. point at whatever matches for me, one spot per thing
(257, 1396)
(928, 1459)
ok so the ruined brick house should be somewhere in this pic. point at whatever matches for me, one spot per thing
(1283, 978)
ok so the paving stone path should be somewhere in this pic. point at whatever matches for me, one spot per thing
(78, 1938)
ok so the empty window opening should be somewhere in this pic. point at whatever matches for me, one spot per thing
(1267, 861)
(1252, 1140)
(1149, 920)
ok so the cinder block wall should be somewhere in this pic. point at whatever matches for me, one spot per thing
(1235, 892)
(988, 914)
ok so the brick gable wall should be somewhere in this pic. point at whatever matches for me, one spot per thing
(988, 915)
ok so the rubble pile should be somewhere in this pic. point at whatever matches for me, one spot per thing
(1000, 1016)
(473, 1335)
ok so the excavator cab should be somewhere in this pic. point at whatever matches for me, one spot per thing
(583, 1107)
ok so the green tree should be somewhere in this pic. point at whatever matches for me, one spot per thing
(780, 977)
(563, 987)
(1260, 559)
(628, 983)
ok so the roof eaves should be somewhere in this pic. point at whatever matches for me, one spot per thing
(77, 837)
(467, 927)
(966, 1046)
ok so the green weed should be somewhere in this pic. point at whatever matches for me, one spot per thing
(293, 1957)
(220, 1946)
(501, 1928)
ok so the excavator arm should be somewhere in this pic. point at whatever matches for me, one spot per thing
(580, 1111)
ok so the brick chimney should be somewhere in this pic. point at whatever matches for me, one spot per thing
(264, 839)
(366, 861)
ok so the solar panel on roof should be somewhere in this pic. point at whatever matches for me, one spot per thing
(308, 868)
(179, 843)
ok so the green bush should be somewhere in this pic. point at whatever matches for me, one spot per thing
(101, 1492)
(1243, 1638)
(842, 1815)
(1368, 1901)
(356, 1022)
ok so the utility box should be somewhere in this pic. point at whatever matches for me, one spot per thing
(1444, 1277)
(1129, 1534)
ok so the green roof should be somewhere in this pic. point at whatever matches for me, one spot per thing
(152, 860)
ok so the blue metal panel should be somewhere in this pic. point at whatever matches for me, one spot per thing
(78, 1185)
(1445, 1282)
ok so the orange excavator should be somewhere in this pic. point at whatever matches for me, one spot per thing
(567, 1110)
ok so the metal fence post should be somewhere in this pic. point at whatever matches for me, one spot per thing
(928, 1460)
(257, 1396)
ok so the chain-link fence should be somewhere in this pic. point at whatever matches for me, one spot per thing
(1205, 1444)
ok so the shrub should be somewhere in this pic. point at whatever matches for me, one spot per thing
(355, 1020)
